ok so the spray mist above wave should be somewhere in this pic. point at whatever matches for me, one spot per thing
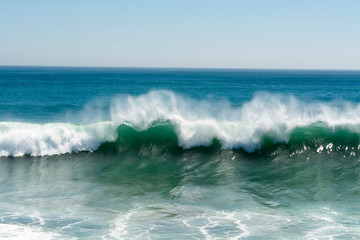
(198, 122)
(195, 123)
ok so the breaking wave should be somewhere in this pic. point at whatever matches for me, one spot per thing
(163, 118)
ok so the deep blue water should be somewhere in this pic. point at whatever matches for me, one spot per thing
(130, 153)
(35, 93)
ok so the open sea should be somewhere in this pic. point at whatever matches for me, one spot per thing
(132, 153)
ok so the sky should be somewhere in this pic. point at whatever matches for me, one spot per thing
(280, 34)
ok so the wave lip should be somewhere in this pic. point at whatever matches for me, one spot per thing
(165, 118)
(197, 123)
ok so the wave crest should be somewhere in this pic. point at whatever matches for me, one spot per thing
(167, 118)
(198, 122)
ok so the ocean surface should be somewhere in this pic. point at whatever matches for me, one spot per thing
(131, 153)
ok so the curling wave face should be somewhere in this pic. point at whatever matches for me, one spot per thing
(163, 117)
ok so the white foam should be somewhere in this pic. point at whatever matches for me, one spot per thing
(18, 139)
(12, 231)
(198, 122)
(330, 224)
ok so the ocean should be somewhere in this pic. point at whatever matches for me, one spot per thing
(151, 153)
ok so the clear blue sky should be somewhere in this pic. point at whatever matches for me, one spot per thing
(322, 34)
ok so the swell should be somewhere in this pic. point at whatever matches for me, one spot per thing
(164, 122)
(161, 138)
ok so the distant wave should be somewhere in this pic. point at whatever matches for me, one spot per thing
(167, 119)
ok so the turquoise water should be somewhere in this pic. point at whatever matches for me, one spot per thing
(111, 153)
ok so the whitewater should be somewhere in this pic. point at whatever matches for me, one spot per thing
(196, 123)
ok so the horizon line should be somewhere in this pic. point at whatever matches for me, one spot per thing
(184, 68)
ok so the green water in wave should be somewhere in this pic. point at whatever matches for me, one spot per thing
(161, 138)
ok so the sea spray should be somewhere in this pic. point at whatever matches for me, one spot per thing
(193, 122)
(197, 123)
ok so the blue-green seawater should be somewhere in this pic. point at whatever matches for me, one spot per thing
(128, 153)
